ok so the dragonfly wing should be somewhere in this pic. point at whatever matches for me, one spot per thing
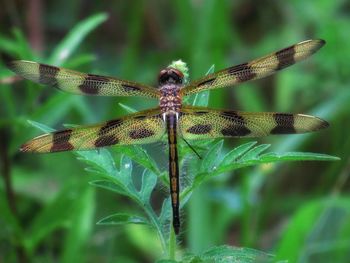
(80, 83)
(256, 69)
(139, 128)
(205, 123)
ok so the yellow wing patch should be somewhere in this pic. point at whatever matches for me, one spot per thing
(80, 83)
(204, 123)
(139, 128)
(256, 69)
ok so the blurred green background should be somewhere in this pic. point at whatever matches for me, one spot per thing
(298, 211)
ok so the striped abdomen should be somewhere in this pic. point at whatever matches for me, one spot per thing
(173, 169)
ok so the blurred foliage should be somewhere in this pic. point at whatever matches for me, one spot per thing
(298, 211)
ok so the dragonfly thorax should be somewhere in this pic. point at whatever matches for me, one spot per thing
(170, 100)
(170, 82)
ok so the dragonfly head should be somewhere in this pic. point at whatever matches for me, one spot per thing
(170, 76)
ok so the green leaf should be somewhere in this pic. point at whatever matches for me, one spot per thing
(252, 157)
(165, 212)
(237, 152)
(41, 126)
(139, 155)
(74, 38)
(125, 173)
(7, 45)
(100, 159)
(80, 60)
(254, 153)
(17, 47)
(271, 158)
(123, 219)
(109, 186)
(230, 254)
(318, 232)
(24, 50)
(55, 215)
(149, 181)
(298, 156)
(127, 108)
(201, 99)
(82, 218)
(54, 108)
(120, 181)
(210, 159)
(210, 70)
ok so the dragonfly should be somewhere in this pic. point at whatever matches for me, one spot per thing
(172, 118)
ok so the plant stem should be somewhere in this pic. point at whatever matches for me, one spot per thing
(172, 243)
(148, 209)
(10, 194)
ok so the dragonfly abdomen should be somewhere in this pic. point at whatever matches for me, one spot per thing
(171, 121)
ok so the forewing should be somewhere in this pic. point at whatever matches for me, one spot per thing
(80, 83)
(255, 69)
(140, 128)
(204, 123)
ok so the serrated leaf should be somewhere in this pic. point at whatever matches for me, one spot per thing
(298, 156)
(109, 186)
(123, 219)
(149, 181)
(139, 155)
(253, 158)
(210, 159)
(237, 152)
(254, 153)
(73, 39)
(165, 211)
(230, 254)
(100, 159)
(125, 172)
